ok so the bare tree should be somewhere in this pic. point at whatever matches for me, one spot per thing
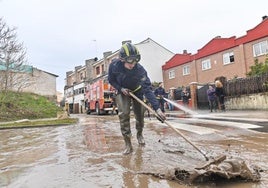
(14, 71)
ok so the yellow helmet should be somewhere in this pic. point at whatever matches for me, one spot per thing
(129, 53)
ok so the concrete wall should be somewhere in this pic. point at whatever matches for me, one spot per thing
(248, 102)
(42, 83)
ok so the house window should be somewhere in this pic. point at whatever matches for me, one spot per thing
(228, 58)
(97, 70)
(81, 76)
(260, 48)
(171, 74)
(206, 64)
(81, 90)
(186, 70)
(102, 69)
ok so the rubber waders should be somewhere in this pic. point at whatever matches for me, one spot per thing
(128, 148)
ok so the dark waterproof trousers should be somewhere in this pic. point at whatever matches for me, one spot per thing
(221, 103)
(212, 105)
(123, 104)
(162, 104)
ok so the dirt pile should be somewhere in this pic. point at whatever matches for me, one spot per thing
(221, 169)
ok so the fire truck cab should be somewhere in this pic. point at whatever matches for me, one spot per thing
(100, 97)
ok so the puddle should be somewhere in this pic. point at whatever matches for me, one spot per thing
(89, 154)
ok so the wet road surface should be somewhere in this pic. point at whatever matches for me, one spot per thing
(89, 154)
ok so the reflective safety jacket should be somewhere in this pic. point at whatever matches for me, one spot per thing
(136, 80)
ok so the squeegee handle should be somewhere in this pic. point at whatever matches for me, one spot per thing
(145, 105)
(168, 124)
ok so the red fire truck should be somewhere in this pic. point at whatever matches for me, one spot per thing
(100, 97)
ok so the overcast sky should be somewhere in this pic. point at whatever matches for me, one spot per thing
(62, 34)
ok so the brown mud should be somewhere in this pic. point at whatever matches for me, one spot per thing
(89, 154)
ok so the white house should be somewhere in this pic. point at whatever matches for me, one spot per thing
(153, 56)
(79, 99)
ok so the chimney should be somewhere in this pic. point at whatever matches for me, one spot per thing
(68, 73)
(78, 67)
(185, 52)
(106, 54)
(264, 17)
(125, 41)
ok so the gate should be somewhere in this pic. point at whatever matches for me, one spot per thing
(202, 99)
(76, 108)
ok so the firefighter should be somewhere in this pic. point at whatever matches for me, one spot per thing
(160, 93)
(127, 75)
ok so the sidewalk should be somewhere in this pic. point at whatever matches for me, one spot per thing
(256, 115)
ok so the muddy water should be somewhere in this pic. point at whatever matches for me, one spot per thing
(88, 154)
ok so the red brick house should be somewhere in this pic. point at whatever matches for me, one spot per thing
(228, 57)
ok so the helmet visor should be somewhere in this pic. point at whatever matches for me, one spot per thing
(133, 59)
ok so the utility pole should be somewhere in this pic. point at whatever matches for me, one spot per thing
(95, 46)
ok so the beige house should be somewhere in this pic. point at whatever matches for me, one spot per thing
(32, 80)
(42, 83)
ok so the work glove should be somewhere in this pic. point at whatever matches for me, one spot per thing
(125, 91)
(160, 115)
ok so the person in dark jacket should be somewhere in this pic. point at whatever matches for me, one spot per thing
(127, 75)
(211, 98)
(185, 95)
(171, 96)
(220, 94)
(160, 93)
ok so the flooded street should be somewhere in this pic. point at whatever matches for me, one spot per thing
(89, 153)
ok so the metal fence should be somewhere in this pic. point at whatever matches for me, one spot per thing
(202, 97)
(244, 86)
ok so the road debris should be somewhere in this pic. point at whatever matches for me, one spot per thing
(218, 170)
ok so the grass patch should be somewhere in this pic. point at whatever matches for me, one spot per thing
(18, 105)
(38, 123)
